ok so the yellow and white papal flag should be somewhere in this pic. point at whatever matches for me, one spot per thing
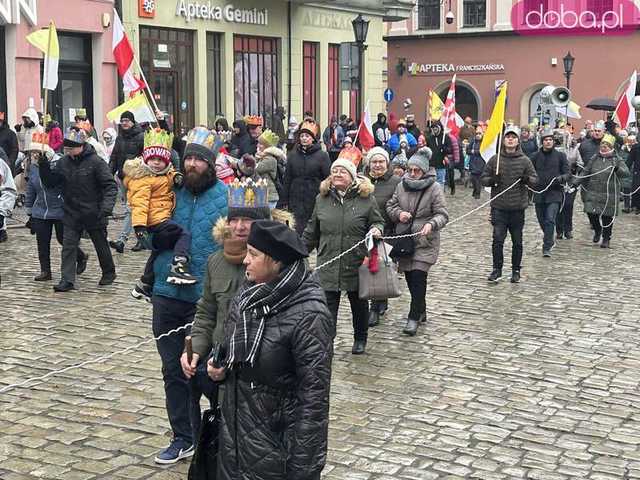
(46, 40)
(494, 129)
(138, 105)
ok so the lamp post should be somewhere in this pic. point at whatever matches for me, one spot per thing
(360, 30)
(568, 61)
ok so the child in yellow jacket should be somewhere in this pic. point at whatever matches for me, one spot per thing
(150, 181)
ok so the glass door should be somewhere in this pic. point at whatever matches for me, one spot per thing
(166, 93)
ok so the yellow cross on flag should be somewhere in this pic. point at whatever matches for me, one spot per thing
(46, 40)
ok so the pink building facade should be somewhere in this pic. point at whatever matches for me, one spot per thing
(87, 71)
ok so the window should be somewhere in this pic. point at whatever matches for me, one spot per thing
(256, 76)
(310, 77)
(334, 80)
(599, 7)
(214, 77)
(475, 13)
(428, 14)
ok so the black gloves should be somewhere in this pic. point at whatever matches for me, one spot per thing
(141, 232)
(1, 221)
(496, 179)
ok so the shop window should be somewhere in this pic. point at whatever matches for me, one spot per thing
(428, 14)
(334, 80)
(214, 77)
(599, 7)
(475, 13)
(255, 76)
(310, 77)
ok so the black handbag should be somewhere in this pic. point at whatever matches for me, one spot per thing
(406, 246)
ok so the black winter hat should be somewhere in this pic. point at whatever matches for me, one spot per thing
(278, 241)
(129, 115)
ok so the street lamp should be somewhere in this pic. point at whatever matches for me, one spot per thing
(360, 30)
(568, 66)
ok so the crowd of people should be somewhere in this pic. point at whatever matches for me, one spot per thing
(230, 216)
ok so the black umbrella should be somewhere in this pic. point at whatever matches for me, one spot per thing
(602, 103)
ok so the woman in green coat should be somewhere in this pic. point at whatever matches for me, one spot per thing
(602, 191)
(345, 212)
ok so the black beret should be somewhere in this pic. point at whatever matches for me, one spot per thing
(278, 241)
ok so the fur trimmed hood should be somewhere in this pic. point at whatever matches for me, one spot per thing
(362, 184)
(136, 168)
(221, 230)
(274, 152)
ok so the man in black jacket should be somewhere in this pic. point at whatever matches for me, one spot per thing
(8, 142)
(507, 211)
(591, 145)
(552, 168)
(89, 192)
(129, 144)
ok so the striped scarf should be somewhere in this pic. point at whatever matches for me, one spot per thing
(256, 304)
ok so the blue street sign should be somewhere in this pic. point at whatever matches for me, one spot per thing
(388, 95)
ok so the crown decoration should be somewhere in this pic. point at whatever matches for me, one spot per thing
(81, 112)
(84, 125)
(253, 120)
(202, 136)
(248, 194)
(40, 137)
(269, 138)
(157, 144)
(76, 135)
(310, 126)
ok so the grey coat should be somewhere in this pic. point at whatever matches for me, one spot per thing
(432, 209)
(267, 168)
(602, 192)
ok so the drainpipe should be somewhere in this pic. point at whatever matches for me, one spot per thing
(288, 60)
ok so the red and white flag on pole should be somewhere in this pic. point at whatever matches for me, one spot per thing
(365, 131)
(123, 53)
(452, 121)
(625, 112)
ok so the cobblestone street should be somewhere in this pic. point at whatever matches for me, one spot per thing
(536, 380)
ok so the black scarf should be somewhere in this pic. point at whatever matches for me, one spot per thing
(256, 303)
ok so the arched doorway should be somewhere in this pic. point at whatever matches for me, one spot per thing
(467, 100)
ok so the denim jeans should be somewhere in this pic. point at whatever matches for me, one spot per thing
(441, 176)
(127, 228)
(546, 213)
(504, 221)
(168, 314)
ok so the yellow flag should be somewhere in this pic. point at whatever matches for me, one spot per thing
(494, 129)
(436, 106)
(137, 105)
(46, 40)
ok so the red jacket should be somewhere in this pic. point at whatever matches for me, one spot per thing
(55, 139)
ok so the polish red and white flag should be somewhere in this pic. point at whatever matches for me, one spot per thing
(123, 54)
(365, 130)
(449, 116)
(625, 111)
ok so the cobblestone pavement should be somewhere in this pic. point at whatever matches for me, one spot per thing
(537, 380)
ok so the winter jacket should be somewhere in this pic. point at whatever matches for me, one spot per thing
(241, 142)
(513, 166)
(634, 160)
(588, 148)
(41, 202)
(337, 223)
(381, 132)
(394, 141)
(129, 144)
(25, 134)
(109, 148)
(267, 168)
(8, 192)
(150, 195)
(456, 158)
(275, 414)
(383, 189)
(55, 137)
(88, 188)
(625, 155)
(198, 214)
(602, 191)
(432, 209)
(440, 148)
(476, 162)
(550, 165)
(306, 168)
(333, 138)
(467, 132)
(529, 147)
(9, 143)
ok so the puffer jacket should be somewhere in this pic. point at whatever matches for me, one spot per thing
(275, 414)
(383, 189)
(602, 192)
(267, 169)
(337, 223)
(150, 195)
(88, 188)
(25, 134)
(198, 214)
(8, 192)
(129, 144)
(588, 148)
(41, 202)
(432, 209)
(550, 165)
(513, 166)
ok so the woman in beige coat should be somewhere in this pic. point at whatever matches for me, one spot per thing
(418, 205)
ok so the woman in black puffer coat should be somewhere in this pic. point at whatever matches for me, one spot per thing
(275, 411)
(307, 166)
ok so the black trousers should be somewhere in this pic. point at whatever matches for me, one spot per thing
(417, 283)
(70, 242)
(564, 219)
(167, 235)
(44, 230)
(451, 179)
(477, 185)
(606, 231)
(359, 310)
(504, 221)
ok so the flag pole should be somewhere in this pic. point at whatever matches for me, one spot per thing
(46, 90)
(144, 79)
(499, 150)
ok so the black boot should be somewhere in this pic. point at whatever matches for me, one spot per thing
(117, 246)
(605, 243)
(43, 277)
(423, 318)
(596, 237)
(138, 247)
(81, 266)
(107, 279)
(63, 286)
(411, 327)
(374, 318)
(358, 347)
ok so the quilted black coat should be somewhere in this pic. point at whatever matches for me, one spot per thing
(275, 415)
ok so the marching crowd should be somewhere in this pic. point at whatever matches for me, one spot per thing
(229, 217)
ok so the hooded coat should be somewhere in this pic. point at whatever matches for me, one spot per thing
(602, 192)
(241, 142)
(275, 412)
(338, 223)
(88, 188)
(513, 166)
(267, 168)
(25, 134)
(431, 209)
(440, 146)
(129, 144)
(381, 131)
(9, 143)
